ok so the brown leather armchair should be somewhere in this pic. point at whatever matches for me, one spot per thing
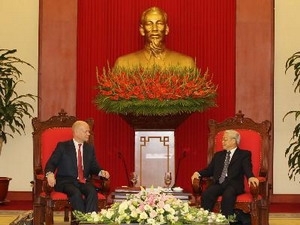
(46, 134)
(256, 138)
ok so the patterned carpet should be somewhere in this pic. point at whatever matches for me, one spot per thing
(281, 214)
(274, 207)
(7, 216)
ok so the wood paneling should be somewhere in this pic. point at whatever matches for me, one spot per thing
(57, 57)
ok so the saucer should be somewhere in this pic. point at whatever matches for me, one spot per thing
(177, 189)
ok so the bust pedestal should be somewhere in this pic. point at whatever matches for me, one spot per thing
(154, 147)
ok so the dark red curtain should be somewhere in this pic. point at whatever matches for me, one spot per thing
(199, 28)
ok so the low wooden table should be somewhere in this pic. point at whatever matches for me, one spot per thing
(121, 193)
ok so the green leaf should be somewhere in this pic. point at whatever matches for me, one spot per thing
(13, 106)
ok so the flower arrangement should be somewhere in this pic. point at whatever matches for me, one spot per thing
(153, 207)
(155, 91)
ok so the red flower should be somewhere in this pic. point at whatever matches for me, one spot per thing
(154, 84)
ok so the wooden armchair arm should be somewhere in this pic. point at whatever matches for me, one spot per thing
(46, 188)
(259, 190)
(102, 184)
(37, 185)
(197, 186)
(263, 187)
(201, 184)
(254, 190)
(38, 171)
(40, 183)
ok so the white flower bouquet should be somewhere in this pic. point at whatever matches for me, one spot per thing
(152, 207)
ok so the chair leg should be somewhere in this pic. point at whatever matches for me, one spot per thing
(66, 214)
(49, 213)
(254, 213)
(102, 204)
(73, 219)
(264, 212)
(38, 218)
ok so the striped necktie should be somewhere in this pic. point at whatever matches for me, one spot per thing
(225, 168)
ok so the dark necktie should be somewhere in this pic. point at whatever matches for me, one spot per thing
(225, 168)
(79, 165)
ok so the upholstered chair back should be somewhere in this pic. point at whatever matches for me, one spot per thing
(49, 140)
(250, 140)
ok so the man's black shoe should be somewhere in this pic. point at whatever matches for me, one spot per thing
(235, 223)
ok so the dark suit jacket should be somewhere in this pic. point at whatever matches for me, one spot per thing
(64, 161)
(240, 166)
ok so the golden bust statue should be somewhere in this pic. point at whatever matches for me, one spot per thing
(154, 27)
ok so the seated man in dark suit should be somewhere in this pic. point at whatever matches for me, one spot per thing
(74, 161)
(227, 168)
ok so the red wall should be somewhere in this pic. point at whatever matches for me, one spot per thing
(202, 29)
(254, 50)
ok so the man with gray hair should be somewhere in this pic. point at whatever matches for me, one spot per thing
(70, 167)
(227, 168)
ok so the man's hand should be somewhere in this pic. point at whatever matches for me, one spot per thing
(196, 175)
(51, 179)
(254, 181)
(104, 173)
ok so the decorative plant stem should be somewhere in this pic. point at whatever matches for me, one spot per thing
(293, 150)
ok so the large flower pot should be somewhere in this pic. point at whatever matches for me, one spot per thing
(155, 122)
(4, 182)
